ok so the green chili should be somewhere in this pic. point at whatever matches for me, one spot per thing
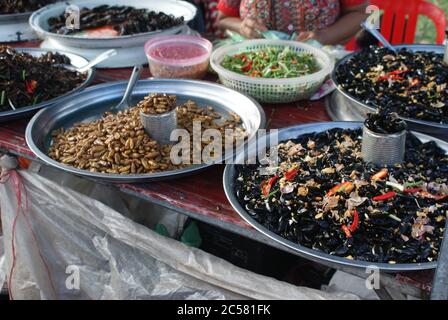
(2, 97)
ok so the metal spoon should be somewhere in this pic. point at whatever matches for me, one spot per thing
(125, 102)
(374, 32)
(100, 58)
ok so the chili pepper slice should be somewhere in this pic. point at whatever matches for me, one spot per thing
(386, 196)
(393, 75)
(342, 187)
(412, 190)
(247, 67)
(267, 185)
(354, 226)
(428, 195)
(30, 86)
(346, 230)
(291, 174)
(397, 72)
(380, 175)
(414, 82)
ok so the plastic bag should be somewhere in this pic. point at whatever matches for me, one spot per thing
(69, 246)
(2, 265)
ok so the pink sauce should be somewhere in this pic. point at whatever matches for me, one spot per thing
(178, 51)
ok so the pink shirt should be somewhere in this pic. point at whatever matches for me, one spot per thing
(289, 15)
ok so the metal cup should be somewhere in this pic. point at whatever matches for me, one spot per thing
(160, 126)
(383, 149)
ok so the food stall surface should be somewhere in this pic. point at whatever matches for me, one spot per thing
(200, 196)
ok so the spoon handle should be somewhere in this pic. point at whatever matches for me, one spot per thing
(131, 84)
(378, 36)
(100, 58)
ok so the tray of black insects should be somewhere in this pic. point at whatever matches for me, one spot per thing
(411, 83)
(321, 200)
(112, 24)
(31, 79)
(10, 9)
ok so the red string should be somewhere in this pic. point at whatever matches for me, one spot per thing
(13, 234)
(18, 186)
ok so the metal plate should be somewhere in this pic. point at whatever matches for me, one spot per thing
(90, 105)
(75, 60)
(39, 22)
(15, 17)
(230, 175)
(15, 28)
(359, 108)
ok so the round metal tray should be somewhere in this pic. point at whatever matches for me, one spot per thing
(39, 22)
(15, 27)
(15, 17)
(230, 176)
(360, 108)
(75, 61)
(91, 104)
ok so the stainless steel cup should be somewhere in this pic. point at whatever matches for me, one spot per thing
(160, 126)
(383, 149)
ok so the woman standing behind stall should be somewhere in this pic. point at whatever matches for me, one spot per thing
(327, 21)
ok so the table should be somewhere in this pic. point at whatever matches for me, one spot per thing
(201, 196)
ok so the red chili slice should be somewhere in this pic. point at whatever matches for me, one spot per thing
(386, 196)
(291, 174)
(267, 185)
(380, 175)
(247, 67)
(412, 190)
(428, 195)
(346, 230)
(345, 186)
(355, 224)
(31, 86)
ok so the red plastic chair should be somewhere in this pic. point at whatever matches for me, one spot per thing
(399, 20)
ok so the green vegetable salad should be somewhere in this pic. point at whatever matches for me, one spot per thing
(272, 63)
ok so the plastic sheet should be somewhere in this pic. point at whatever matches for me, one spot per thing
(2, 264)
(70, 246)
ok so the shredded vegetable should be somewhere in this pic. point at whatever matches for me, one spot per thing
(271, 63)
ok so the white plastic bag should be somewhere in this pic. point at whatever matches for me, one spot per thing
(69, 246)
(2, 265)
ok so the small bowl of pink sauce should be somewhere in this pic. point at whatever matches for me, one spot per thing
(178, 57)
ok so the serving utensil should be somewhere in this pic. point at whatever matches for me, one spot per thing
(126, 101)
(374, 32)
(100, 58)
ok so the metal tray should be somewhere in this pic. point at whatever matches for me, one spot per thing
(15, 27)
(75, 60)
(90, 105)
(360, 108)
(229, 179)
(15, 17)
(39, 22)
